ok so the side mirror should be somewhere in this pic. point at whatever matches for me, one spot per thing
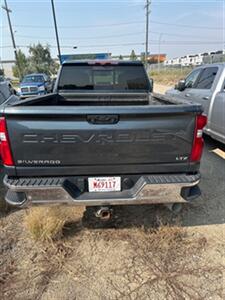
(151, 84)
(181, 85)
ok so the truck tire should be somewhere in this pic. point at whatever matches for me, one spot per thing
(4, 206)
(175, 208)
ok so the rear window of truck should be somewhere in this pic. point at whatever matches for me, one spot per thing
(117, 77)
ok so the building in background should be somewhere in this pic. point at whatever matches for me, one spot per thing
(214, 57)
(197, 59)
(154, 58)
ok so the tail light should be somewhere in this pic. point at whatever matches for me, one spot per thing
(6, 153)
(198, 142)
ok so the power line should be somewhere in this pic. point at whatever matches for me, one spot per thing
(190, 42)
(188, 26)
(123, 23)
(176, 34)
(81, 46)
(111, 36)
(83, 38)
(84, 26)
(152, 42)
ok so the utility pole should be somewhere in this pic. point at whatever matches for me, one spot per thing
(12, 36)
(159, 51)
(56, 31)
(148, 2)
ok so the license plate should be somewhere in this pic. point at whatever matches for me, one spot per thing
(104, 184)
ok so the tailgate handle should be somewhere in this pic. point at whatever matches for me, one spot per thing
(103, 119)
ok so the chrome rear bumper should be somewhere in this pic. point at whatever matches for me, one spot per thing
(149, 189)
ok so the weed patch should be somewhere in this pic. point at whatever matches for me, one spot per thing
(169, 76)
(47, 223)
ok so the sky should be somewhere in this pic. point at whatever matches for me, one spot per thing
(176, 27)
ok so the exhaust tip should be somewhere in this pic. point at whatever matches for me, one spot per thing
(104, 213)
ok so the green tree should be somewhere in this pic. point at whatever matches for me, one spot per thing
(40, 60)
(133, 56)
(21, 65)
(121, 57)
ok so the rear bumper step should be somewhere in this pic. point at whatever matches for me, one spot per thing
(148, 189)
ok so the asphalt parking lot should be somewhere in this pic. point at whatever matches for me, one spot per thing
(211, 205)
(183, 259)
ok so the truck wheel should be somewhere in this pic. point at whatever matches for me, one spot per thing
(4, 206)
(175, 208)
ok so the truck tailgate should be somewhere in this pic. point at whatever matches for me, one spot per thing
(97, 138)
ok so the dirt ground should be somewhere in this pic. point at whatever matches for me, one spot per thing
(161, 88)
(145, 253)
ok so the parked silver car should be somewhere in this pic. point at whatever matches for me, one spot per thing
(206, 85)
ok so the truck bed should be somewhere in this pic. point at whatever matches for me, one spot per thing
(102, 99)
(134, 134)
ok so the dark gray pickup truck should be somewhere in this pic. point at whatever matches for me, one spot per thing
(101, 139)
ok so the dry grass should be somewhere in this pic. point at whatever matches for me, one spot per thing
(142, 270)
(175, 263)
(169, 76)
(47, 223)
(162, 261)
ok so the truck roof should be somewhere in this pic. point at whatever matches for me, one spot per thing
(103, 62)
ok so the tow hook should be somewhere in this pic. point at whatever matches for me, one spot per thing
(104, 213)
